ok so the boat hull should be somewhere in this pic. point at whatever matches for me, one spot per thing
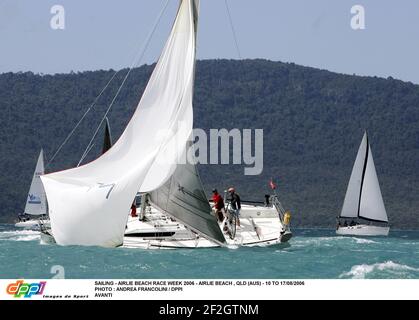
(30, 224)
(363, 230)
(34, 224)
(260, 227)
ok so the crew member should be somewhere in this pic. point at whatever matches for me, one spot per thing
(134, 210)
(235, 204)
(218, 205)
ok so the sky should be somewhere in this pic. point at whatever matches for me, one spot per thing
(105, 34)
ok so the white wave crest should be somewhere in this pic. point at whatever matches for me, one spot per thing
(302, 241)
(360, 271)
(19, 235)
(360, 240)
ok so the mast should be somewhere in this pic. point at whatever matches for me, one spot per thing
(363, 173)
(371, 204)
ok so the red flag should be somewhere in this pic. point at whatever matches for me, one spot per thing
(272, 184)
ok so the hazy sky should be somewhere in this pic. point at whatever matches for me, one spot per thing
(103, 34)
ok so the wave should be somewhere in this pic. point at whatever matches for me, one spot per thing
(19, 235)
(360, 240)
(301, 241)
(363, 270)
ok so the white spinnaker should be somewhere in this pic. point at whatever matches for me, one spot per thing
(351, 202)
(372, 204)
(89, 205)
(36, 203)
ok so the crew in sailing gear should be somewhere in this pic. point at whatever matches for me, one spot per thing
(218, 205)
(134, 210)
(235, 203)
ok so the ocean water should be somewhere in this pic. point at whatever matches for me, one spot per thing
(312, 254)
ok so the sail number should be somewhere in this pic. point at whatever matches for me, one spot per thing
(110, 186)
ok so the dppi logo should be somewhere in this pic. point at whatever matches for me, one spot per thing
(27, 290)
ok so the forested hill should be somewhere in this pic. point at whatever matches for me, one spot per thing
(313, 122)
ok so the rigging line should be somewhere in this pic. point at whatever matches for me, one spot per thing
(137, 59)
(230, 19)
(81, 119)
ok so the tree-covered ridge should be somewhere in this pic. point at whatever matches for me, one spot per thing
(313, 122)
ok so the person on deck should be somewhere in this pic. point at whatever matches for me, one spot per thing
(218, 205)
(134, 210)
(235, 203)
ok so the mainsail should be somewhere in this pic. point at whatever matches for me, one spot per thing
(351, 203)
(363, 197)
(89, 205)
(183, 197)
(36, 203)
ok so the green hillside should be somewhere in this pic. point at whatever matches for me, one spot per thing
(313, 122)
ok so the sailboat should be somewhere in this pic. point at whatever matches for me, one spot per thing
(363, 201)
(89, 205)
(262, 225)
(36, 205)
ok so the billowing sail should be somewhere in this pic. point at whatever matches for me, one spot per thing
(372, 204)
(183, 197)
(107, 139)
(36, 202)
(89, 205)
(353, 192)
(363, 197)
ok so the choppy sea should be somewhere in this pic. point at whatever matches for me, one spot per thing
(312, 254)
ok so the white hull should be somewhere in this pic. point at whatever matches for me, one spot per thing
(363, 230)
(159, 231)
(32, 224)
(162, 232)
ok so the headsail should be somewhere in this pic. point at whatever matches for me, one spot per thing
(36, 202)
(353, 192)
(363, 197)
(89, 205)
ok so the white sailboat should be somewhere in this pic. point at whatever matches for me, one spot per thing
(261, 226)
(36, 205)
(363, 201)
(89, 205)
